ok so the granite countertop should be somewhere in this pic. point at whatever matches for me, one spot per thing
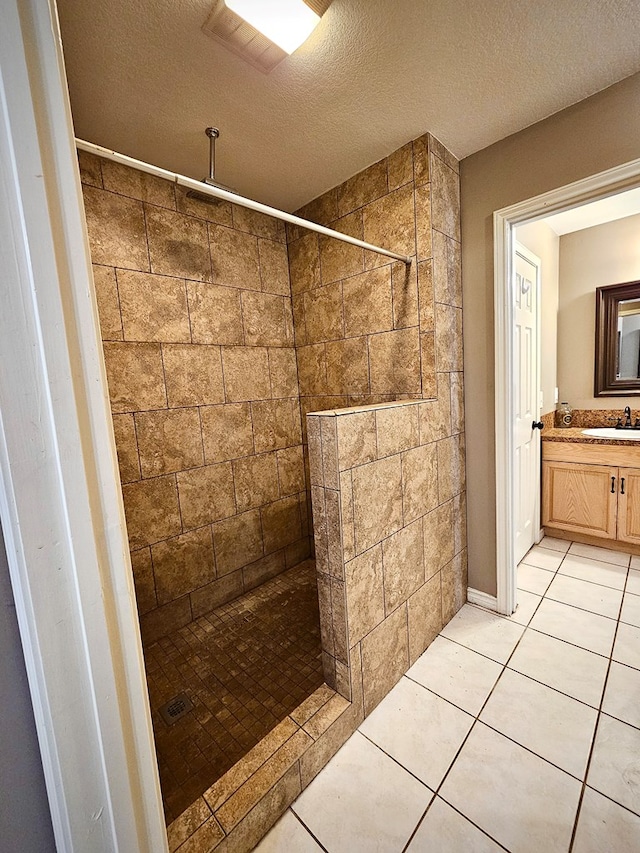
(576, 435)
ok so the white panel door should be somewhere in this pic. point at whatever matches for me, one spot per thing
(526, 401)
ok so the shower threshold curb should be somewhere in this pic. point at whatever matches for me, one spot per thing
(237, 811)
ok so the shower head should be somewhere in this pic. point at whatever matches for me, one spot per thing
(213, 133)
(209, 199)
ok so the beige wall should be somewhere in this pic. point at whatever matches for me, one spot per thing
(596, 134)
(543, 241)
(593, 257)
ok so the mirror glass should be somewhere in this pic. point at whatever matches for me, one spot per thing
(628, 350)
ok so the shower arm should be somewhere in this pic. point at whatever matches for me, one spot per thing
(213, 133)
(206, 189)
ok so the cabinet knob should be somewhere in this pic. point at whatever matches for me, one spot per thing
(613, 485)
(537, 425)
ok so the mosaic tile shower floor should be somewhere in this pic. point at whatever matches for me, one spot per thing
(245, 666)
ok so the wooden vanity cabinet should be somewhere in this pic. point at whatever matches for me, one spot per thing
(592, 490)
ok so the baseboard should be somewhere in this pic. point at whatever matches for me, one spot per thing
(482, 599)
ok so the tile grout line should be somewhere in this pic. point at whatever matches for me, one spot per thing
(577, 556)
(395, 760)
(458, 752)
(582, 580)
(473, 726)
(303, 824)
(575, 646)
(573, 554)
(597, 725)
(464, 817)
(525, 675)
(582, 609)
(545, 595)
(604, 687)
(451, 764)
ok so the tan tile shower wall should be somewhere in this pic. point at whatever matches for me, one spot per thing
(388, 483)
(196, 318)
(370, 330)
(390, 529)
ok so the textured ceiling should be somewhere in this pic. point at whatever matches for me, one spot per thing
(145, 80)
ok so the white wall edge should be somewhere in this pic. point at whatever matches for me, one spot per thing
(60, 498)
(482, 599)
(600, 185)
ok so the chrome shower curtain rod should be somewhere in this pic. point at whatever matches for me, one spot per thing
(215, 192)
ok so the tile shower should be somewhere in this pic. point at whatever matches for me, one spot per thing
(221, 333)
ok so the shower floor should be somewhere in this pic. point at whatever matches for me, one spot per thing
(245, 666)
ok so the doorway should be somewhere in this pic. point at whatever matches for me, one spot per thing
(599, 186)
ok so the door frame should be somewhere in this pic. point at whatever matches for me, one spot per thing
(535, 261)
(61, 503)
(600, 185)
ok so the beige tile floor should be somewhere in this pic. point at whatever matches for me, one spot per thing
(519, 734)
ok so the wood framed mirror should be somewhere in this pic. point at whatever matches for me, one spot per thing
(617, 361)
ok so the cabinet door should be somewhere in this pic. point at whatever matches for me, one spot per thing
(629, 505)
(579, 498)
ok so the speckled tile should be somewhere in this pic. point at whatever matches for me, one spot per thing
(193, 375)
(234, 258)
(135, 376)
(215, 314)
(274, 267)
(337, 259)
(182, 564)
(124, 243)
(178, 244)
(368, 302)
(389, 222)
(104, 279)
(394, 359)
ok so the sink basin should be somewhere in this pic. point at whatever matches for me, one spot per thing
(610, 432)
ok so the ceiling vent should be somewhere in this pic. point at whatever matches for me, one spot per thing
(240, 37)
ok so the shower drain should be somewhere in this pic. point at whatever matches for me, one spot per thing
(176, 708)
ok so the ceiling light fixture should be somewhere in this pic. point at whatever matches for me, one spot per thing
(287, 23)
